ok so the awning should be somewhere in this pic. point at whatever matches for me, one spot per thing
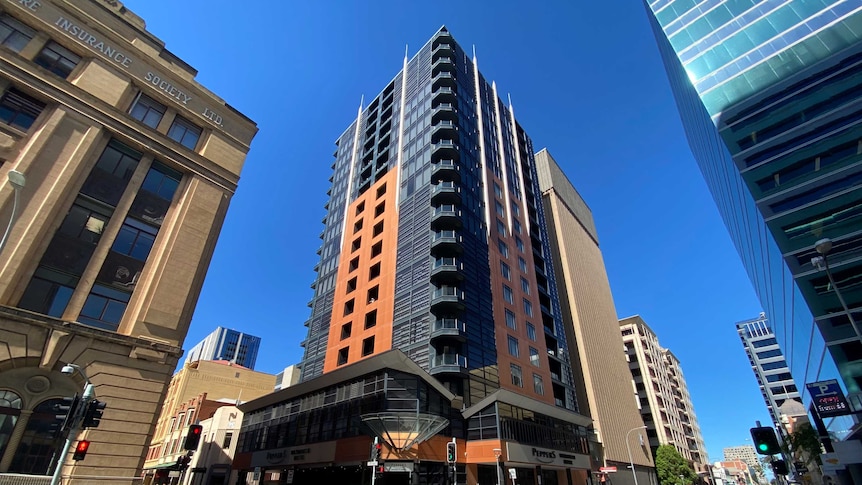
(161, 466)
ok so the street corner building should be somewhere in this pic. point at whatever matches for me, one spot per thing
(435, 315)
(116, 171)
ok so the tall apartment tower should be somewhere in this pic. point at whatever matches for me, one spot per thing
(435, 315)
(665, 403)
(435, 241)
(605, 392)
(769, 366)
(129, 166)
(768, 95)
(226, 344)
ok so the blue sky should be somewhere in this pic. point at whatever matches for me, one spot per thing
(586, 82)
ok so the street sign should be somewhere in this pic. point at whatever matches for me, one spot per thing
(608, 469)
(290, 476)
(513, 473)
(256, 476)
(372, 463)
(828, 398)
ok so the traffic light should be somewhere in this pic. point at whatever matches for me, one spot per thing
(765, 441)
(376, 447)
(451, 449)
(81, 450)
(193, 437)
(93, 414)
(183, 462)
(66, 411)
(779, 467)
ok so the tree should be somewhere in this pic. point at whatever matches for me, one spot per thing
(672, 468)
(805, 443)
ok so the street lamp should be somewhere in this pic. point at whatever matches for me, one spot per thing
(89, 394)
(631, 461)
(17, 180)
(497, 453)
(823, 246)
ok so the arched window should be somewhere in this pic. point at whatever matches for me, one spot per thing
(38, 445)
(10, 409)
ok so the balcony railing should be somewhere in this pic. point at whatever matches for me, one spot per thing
(449, 360)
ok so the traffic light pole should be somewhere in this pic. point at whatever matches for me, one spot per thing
(89, 393)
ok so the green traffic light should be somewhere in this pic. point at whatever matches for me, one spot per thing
(763, 447)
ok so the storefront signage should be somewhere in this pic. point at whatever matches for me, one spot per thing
(546, 456)
(84, 35)
(828, 398)
(316, 453)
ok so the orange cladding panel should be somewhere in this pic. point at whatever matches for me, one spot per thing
(363, 306)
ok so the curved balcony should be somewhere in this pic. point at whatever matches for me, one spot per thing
(442, 48)
(444, 111)
(443, 78)
(443, 94)
(446, 242)
(447, 299)
(443, 130)
(445, 193)
(446, 270)
(446, 171)
(449, 328)
(442, 64)
(445, 148)
(448, 363)
(446, 217)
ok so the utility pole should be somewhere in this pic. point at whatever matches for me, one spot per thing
(74, 427)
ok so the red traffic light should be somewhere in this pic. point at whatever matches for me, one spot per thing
(195, 429)
(81, 450)
(193, 437)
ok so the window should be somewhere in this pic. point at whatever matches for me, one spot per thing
(348, 307)
(504, 250)
(507, 294)
(515, 208)
(378, 229)
(514, 351)
(504, 270)
(354, 263)
(135, 239)
(501, 228)
(371, 319)
(368, 346)
(764, 342)
(534, 357)
(342, 356)
(498, 207)
(538, 385)
(351, 284)
(184, 132)
(19, 110)
(516, 225)
(520, 244)
(346, 330)
(510, 320)
(356, 244)
(517, 377)
(360, 207)
(373, 294)
(228, 437)
(531, 332)
(769, 353)
(357, 226)
(104, 307)
(528, 308)
(497, 190)
(381, 191)
(57, 59)
(522, 264)
(378, 211)
(14, 34)
(377, 249)
(525, 286)
(374, 272)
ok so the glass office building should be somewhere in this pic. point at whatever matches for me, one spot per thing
(770, 99)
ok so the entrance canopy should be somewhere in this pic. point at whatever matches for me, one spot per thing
(403, 429)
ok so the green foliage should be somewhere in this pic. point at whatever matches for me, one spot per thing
(805, 440)
(672, 468)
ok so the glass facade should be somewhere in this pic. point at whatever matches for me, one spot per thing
(768, 95)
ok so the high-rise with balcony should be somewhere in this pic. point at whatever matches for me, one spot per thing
(226, 344)
(769, 95)
(769, 366)
(665, 402)
(129, 165)
(434, 285)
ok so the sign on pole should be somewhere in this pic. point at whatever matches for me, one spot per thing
(608, 469)
(828, 398)
(256, 476)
